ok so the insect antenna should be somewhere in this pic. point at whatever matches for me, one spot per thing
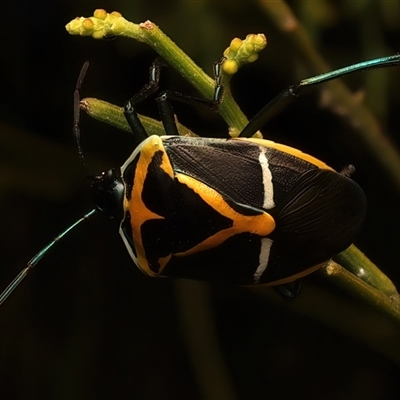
(77, 113)
(34, 260)
(76, 130)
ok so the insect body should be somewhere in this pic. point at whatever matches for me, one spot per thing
(243, 210)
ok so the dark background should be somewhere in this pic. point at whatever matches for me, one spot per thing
(86, 324)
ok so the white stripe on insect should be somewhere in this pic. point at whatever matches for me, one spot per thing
(267, 180)
(263, 258)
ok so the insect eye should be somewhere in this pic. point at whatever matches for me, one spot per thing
(108, 193)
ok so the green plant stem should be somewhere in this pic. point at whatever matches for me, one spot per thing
(356, 262)
(186, 67)
(150, 34)
(388, 305)
(114, 115)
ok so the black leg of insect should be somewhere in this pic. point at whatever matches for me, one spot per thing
(164, 103)
(280, 102)
(243, 211)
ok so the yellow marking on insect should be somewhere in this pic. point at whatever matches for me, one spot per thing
(261, 224)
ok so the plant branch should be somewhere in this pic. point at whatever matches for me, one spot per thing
(103, 24)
